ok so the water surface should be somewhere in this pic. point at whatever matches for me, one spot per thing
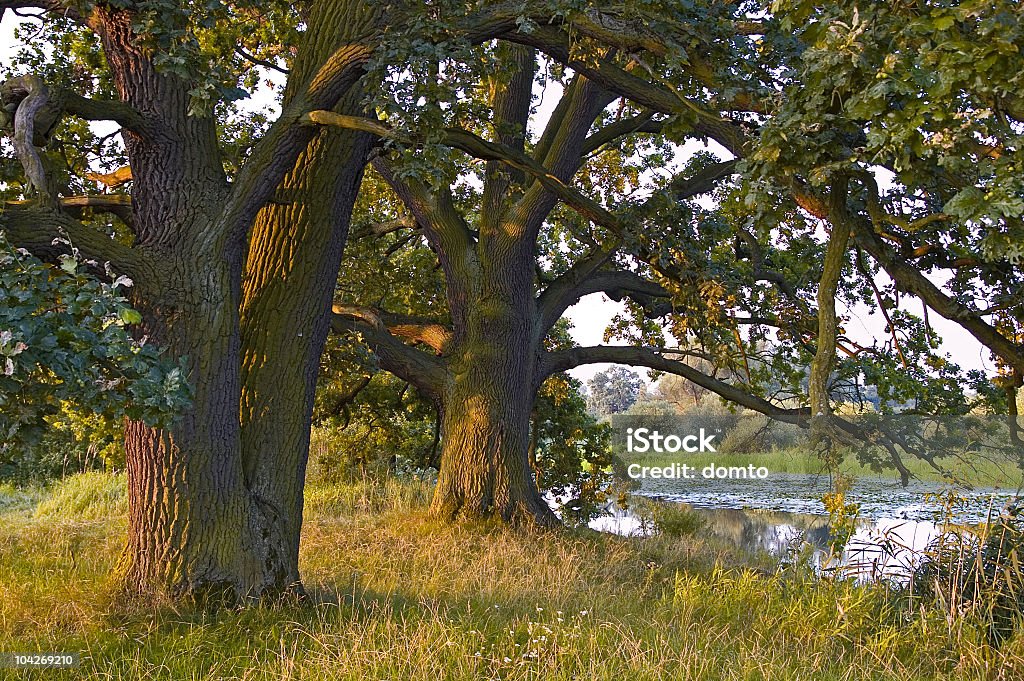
(783, 514)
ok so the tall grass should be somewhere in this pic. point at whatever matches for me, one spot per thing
(396, 595)
(86, 496)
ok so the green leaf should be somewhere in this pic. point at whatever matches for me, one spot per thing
(68, 264)
(129, 316)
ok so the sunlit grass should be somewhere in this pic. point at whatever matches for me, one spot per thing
(85, 496)
(396, 595)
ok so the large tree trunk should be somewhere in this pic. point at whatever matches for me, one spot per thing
(192, 527)
(294, 260)
(487, 402)
(485, 467)
(294, 255)
(215, 497)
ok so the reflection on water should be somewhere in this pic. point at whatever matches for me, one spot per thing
(887, 548)
(784, 515)
(879, 548)
(798, 493)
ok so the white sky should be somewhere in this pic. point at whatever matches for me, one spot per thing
(591, 316)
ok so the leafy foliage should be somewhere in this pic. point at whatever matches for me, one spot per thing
(76, 440)
(927, 90)
(368, 422)
(572, 456)
(65, 339)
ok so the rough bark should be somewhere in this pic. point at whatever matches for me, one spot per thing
(485, 436)
(208, 515)
(486, 405)
(191, 522)
(294, 255)
(487, 401)
(186, 501)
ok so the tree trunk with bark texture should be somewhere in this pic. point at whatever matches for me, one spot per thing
(215, 499)
(192, 527)
(488, 398)
(486, 377)
(485, 436)
(292, 267)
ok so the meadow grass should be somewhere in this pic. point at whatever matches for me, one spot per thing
(397, 595)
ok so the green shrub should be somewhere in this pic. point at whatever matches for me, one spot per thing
(752, 433)
(75, 440)
(370, 435)
(678, 520)
(668, 518)
(712, 415)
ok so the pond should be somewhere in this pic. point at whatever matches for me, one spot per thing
(784, 513)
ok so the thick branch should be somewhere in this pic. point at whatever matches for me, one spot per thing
(564, 139)
(685, 187)
(632, 37)
(621, 128)
(909, 279)
(424, 371)
(488, 151)
(510, 100)
(564, 360)
(119, 205)
(34, 96)
(445, 230)
(102, 110)
(36, 228)
(414, 330)
(651, 296)
(59, 101)
(379, 229)
(276, 152)
(56, 7)
(832, 270)
(555, 43)
(561, 294)
(617, 284)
